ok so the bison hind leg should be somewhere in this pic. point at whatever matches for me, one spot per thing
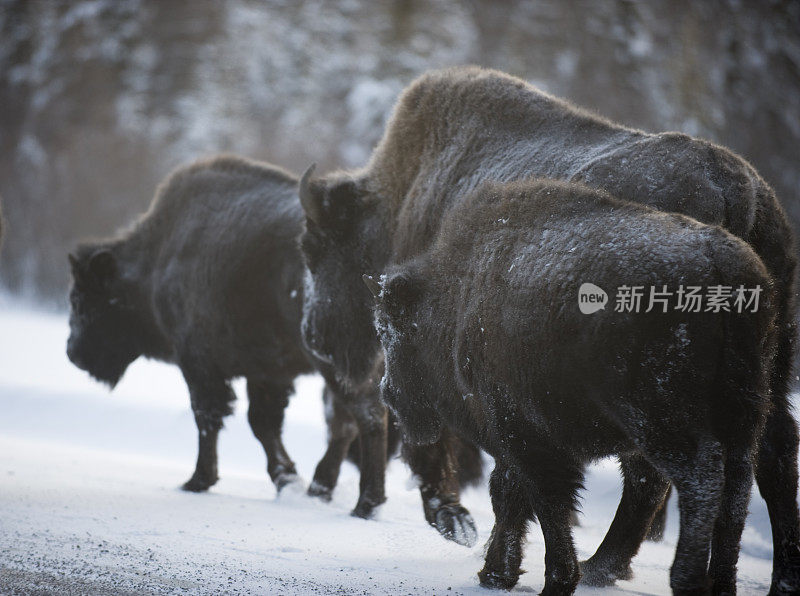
(731, 519)
(696, 468)
(643, 491)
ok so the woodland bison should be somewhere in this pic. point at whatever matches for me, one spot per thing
(482, 333)
(210, 278)
(453, 129)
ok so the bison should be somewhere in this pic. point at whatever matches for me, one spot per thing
(208, 279)
(211, 279)
(452, 130)
(482, 333)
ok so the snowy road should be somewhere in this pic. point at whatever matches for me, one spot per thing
(89, 500)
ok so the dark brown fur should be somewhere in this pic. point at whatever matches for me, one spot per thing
(210, 279)
(482, 334)
(454, 129)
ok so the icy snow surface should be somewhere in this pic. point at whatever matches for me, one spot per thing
(89, 498)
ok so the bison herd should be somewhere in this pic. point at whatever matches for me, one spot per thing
(441, 280)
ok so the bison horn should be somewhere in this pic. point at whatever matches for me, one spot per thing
(372, 284)
(308, 199)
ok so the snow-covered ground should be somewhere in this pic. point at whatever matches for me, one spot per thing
(89, 498)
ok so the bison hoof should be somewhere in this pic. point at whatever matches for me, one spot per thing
(366, 509)
(498, 581)
(198, 484)
(288, 481)
(601, 576)
(323, 493)
(455, 523)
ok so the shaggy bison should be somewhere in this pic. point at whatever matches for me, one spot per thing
(210, 279)
(483, 334)
(453, 129)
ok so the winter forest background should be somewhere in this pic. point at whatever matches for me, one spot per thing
(100, 99)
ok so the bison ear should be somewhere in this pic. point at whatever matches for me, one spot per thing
(311, 196)
(401, 291)
(102, 265)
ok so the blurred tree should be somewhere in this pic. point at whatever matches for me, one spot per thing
(99, 99)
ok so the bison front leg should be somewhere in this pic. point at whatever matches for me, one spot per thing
(435, 468)
(371, 419)
(644, 490)
(211, 401)
(342, 431)
(554, 480)
(268, 400)
(512, 511)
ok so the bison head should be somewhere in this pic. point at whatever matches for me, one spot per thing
(408, 384)
(344, 237)
(104, 325)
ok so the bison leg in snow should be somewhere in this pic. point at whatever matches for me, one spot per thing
(512, 511)
(211, 398)
(435, 467)
(776, 474)
(697, 472)
(516, 499)
(370, 415)
(643, 491)
(268, 400)
(342, 431)
(553, 498)
(730, 520)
